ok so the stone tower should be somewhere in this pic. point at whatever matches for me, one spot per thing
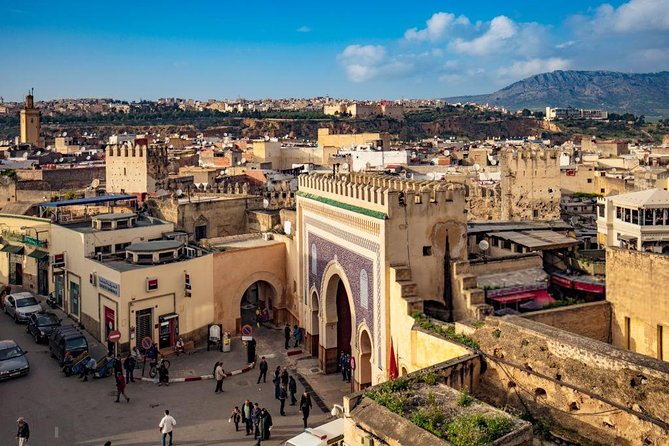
(29, 118)
(136, 167)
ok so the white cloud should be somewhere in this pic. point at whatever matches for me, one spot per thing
(566, 44)
(635, 15)
(525, 68)
(436, 27)
(303, 29)
(501, 29)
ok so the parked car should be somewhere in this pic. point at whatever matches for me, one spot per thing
(13, 361)
(21, 305)
(41, 324)
(67, 338)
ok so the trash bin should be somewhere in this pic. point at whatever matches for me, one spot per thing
(226, 342)
(250, 351)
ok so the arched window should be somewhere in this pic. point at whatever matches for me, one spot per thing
(364, 289)
(314, 259)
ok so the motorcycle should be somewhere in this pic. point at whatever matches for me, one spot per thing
(51, 301)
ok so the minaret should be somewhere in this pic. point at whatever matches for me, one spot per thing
(30, 122)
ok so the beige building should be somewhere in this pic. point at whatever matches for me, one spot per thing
(24, 256)
(30, 125)
(122, 272)
(65, 145)
(380, 141)
(136, 167)
(639, 301)
(365, 111)
(636, 220)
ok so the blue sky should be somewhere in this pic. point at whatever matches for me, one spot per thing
(357, 49)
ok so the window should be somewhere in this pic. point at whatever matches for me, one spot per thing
(145, 258)
(628, 327)
(601, 191)
(589, 180)
(121, 224)
(200, 232)
(314, 259)
(165, 256)
(74, 299)
(535, 213)
(120, 247)
(660, 347)
(427, 251)
(107, 249)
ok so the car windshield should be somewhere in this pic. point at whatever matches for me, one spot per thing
(47, 319)
(76, 344)
(10, 353)
(26, 302)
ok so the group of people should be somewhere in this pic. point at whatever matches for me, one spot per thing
(257, 421)
(285, 385)
(345, 366)
(296, 334)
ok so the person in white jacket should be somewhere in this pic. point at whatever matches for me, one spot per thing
(166, 427)
(219, 375)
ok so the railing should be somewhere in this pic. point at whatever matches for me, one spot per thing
(25, 239)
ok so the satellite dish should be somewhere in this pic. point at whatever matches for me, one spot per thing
(88, 158)
(493, 162)
(60, 160)
(95, 183)
(430, 176)
(265, 203)
(577, 159)
(179, 192)
(476, 167)
(447, 152)
(287, 227)
(573, 220)
(64, 133)
(484, 245)
(345, 166)
(39, 152)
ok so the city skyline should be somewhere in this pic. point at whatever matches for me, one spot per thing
(366, 51)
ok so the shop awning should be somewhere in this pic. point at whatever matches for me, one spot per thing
(589, 287)
(39, 255)
(12, 249)
(541, 297)
(562, 281)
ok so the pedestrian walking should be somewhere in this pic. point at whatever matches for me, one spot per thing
(305, 407)
(118, 365)
(163, 375)
(265, 426)
(263, 370)
(23, 432)
(282, 399)
(297, 334)
(247, 412)
(258, 317)
(129, 366)
(286, 335)
(120, 387)
(292, 389)
(255, 418)
(277, 381)
(219, 374)
(349, 364)
(235, 416)
(284, 377)
(343, 360)
(166, 427)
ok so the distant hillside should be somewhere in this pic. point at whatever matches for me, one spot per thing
(641, 94)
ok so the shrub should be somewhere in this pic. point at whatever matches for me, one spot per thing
(431, 419)
(497, 333)
(477, 429)
(464, 399)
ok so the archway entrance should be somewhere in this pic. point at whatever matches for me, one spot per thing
(335, 334)
(259, 296)
(365, 360)
(312, 337)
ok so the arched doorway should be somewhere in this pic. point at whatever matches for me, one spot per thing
(313, 335)
(336, 332)
(365, 360)
(260, 295)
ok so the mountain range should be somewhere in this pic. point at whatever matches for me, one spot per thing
(639, 93)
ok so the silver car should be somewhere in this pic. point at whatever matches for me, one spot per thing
(21, 305)
(13, 361)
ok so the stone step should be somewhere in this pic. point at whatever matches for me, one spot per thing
(408, 288)
(468, 282)
(402, 272)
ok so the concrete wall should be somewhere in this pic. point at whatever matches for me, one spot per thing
(581, 388)
(580, 179)
(635, 287)
(573, 319)
(71, 178)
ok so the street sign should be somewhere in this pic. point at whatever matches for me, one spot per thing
(147, 342)
(247, 332)
(114, 336)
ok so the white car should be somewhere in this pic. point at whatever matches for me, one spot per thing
(21, 305)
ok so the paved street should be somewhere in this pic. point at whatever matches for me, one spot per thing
(64, 411)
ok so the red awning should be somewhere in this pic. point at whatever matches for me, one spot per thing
(539, 296)
(589, 287)
(562, 281)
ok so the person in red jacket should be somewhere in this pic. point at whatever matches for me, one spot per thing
(120, 387)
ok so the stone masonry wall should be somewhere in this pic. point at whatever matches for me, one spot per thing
(581, 388)
(592, 320)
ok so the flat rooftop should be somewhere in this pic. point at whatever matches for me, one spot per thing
(482, 227)
(536, 240)
(85, 226)
(243, 241)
